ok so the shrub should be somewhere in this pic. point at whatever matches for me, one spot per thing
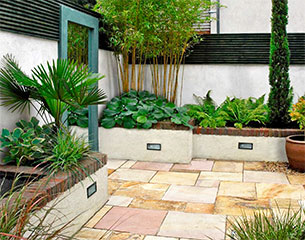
(243, 112)
(142, 110)
(269, 225)
(298, 112)
(280, 97)
(27, 144)
(206, 112)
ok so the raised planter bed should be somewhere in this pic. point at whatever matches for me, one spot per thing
(248, 144)
(180, 145)
(68, 193)
(169, 143)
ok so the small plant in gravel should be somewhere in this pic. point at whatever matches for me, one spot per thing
(142, 110)
(271, 224)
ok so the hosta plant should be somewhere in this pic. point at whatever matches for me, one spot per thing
(206, 113)
(298, 112)
(244, 112)
(142, 110)
(78, 117)
(27, 144)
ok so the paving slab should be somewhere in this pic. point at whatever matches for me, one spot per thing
(296, 179)
(191, 194)
(98, 216)
(221, 176)
(132, 175)
(228, 166)
(254, 166)
(158, 204)
(175, 178)
(194, 166)
(113, 235)
(200, 208)
(155, 166)
(237, 189)
(275, 191)
(128, 164)
(142, 190)
(132, 220)
(207, 183)
(159, 238)
(193, 225)
(119, 201)
(89, 234)
(265, 177)
(115, 163)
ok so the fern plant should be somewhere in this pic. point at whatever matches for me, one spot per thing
(206, 113)
(243, 112)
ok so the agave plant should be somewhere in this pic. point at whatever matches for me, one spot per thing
(56, 88)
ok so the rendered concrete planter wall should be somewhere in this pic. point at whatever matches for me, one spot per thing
(223, 143)
(68, 194)
(120, 143)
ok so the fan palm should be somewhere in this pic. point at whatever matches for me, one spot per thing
(57, 87)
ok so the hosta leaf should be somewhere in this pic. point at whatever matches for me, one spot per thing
(142, 119)
(36, 141)
(108, 123)
(17, 133)
(128, 122)
(5, 132)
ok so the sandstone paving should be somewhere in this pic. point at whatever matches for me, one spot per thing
(155, 166)
(191, 194)
(158, 204)
(132, 175)
(132, 220)
(165, 201)
(177, 178)
(193, 225)
(194, 166)
(221, 176)
(228, 166)
(237, 189)
(142, 190)
(265, 177)
(114, 163)
(275, 191)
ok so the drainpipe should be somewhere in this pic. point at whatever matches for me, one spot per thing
(218, 16)
(217, 12)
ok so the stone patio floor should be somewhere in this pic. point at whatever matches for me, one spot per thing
(161, 201)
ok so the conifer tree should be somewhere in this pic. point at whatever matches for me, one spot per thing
(280, 97)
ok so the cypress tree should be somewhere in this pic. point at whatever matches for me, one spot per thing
(280, 97)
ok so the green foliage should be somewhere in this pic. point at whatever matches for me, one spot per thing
(141, 110)
(298, 112)
(56, 88)
(206, 113)
(280, 97)
(242, 112)
(27, 144)
(67, 152)
(269, 225)
(78, 117)
(236, 112)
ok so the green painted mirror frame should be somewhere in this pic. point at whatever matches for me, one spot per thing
(71, 15)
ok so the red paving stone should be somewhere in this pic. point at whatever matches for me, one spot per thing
(153, 166)
(132, 220)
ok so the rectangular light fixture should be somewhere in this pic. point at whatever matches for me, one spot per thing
(245, 146)
(91, 189)
(154, 146)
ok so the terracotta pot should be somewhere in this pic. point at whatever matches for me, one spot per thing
(295, 150)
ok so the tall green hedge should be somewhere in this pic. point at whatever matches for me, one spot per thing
(280, 97)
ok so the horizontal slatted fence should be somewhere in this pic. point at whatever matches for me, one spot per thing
(242, 49)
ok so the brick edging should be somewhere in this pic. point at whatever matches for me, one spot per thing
(50, 187)
(248, 132)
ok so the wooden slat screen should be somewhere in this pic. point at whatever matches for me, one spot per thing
(242, 49)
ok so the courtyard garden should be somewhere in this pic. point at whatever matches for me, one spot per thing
(139, 164)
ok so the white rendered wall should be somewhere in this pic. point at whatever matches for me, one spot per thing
(253, 16)
(29, 52)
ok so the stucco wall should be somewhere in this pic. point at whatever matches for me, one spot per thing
(253, 16)
(29, 52)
